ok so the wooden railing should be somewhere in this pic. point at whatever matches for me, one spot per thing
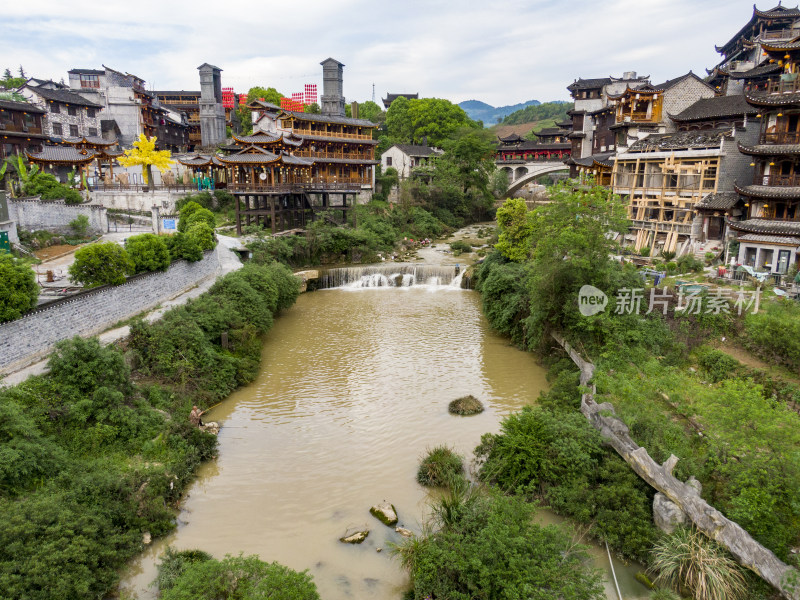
(134, 187)
(780, 34)
(777, 86)
(660, 226)
(308, 185)
(348, 155)
(333, 134)
(778, 180)
(780, 137)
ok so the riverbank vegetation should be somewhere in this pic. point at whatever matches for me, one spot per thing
(734, 428)
(95, 455)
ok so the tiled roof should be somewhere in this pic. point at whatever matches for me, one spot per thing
(719, 201)
(767, 226)
(63, 154)
(767, 99)
(511, 138)
(392, 97)
(86, 72)
(766, 68)
(588, 84)
(551, 131)
(177, 93)
(21, 106)
(250, 158)
(297, 160)
(770, 149)
(603, 158)
(257, 138)
(329, 119)
(108, 125)
(793, 45)
(89, 139)
(717, 107)
(412, 150)
(683, 140)
(770, 191)
(63, 96)
(200, 160)
(770, 239)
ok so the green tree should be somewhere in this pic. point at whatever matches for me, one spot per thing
(514, 221)
(240, 578)
(425, 119)
(80, 225)
(200, 232)
(101, 264)
(18, 288)
(148, 252)
(270, 95)
(183, 246)
(312, 108)
(572, 247)
(370, 111)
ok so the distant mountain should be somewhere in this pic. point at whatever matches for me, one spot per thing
(480, 111)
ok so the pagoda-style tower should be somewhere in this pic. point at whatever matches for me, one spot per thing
(212, 112)
(332, 95)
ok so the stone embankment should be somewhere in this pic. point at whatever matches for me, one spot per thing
(31, 337)
(685, 496)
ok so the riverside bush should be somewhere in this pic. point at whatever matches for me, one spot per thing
(184, 246)
(493, 549)
(774, 332)
(440, 467)
(240, 577)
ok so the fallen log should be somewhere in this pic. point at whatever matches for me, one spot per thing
(705, 517)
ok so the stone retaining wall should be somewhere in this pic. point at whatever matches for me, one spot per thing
(139, 201)
(33, 336)
(34, 214)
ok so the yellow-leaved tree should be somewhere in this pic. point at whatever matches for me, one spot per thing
(144, 153)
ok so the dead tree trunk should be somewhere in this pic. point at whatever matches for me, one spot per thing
(705, 517)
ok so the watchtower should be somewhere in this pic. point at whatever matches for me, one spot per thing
(212, 112)
(332, 96)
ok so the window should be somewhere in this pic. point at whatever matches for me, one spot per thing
(388, 161)
(71, 111)
(90, 81)
(57, 129)
(73, 131)
(91, 113)
(29, 120)
(55, 108)
(92, 131)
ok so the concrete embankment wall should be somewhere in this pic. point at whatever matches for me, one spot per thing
(33, 336)
(139, 201)
(34, 214)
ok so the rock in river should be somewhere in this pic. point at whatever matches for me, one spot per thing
(385, 513)
(404, 532)
(355, 538)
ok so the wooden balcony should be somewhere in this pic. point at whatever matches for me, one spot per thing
(310, 185)
(332, 134)
(780, 34)
(780, 137)
(343, 155)
(779, 86)
(777, 180)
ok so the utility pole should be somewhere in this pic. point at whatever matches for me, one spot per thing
(373, 92)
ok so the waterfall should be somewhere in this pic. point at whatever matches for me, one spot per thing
(396, 275)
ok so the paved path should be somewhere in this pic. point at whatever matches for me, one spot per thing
(228, 261)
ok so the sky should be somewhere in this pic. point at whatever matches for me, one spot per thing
(499, 52)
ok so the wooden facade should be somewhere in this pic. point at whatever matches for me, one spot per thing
(21, 128)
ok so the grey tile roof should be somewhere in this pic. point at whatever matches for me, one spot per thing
(549, 131)
(588, 84)
(21, 106)
(89, 139)
(770, 149)
(63, 96)
(603, 158)
(683, 140)
(769, 191)
(411, 150)
(768, 99)
(719, 201)
(63, 154)
(766, 68)
(717, 107)
(329, 119)
(770, 239)
(767, 226)
(257, 138)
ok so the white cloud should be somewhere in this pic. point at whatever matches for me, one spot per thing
(501, 52)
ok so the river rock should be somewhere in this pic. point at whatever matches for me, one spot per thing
(354, 538)
(404, 532)
(385, 513)
(147, 538)
(210, 427)
(666, 514)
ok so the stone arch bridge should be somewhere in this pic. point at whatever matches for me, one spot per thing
(521, 172)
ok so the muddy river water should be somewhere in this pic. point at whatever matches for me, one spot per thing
(353, 389)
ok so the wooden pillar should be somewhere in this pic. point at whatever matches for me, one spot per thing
(272, 212)
(237, 201)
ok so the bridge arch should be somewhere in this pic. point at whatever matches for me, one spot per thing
(534, 172)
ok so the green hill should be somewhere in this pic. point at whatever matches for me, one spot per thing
(550, 112)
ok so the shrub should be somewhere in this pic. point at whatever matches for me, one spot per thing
(672, 267)
(774, 332)
(688, 559)
(440, 467)
(148, 252)
(183, 246)
(493, 549)
(667, 255)
(80, 225)
(689, 263)
(287, 285)
(83, 365)
(460, 246)
(174, 563)
(202, 234)
(101, 264)
(201, 215)
(18, 288)
(718, 365)
(245, 299)
(186, 211)
(466, 405)
(240, 577)
(645, 251)
(709, 256)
